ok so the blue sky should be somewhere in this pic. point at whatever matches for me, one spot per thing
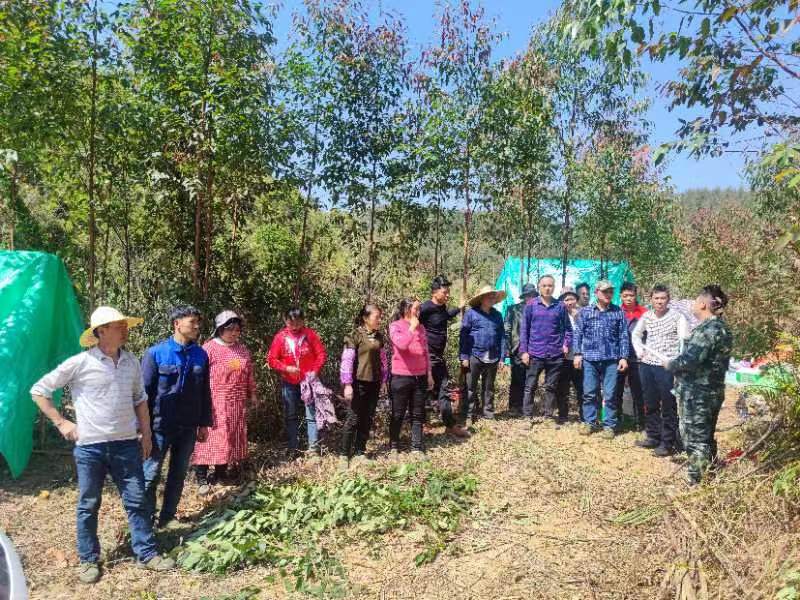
(516, 18)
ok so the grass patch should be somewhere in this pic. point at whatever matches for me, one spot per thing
(287, 526)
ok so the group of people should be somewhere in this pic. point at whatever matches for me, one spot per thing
(190, 401)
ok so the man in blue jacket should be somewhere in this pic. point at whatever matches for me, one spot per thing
(176, 379)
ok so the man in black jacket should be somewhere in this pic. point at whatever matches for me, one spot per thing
(434, 316)
(513, 321)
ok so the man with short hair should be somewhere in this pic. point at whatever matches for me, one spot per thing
(545, 338)
(434, 315)
(659, 336)
(601, 350)
(176, 379)
(111, 412)
(633, 311)
(582, 290)
(513, 323)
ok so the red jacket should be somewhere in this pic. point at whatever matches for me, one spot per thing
(303, 350)
(634, 312)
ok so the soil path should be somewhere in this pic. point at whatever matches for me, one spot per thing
(541, 527)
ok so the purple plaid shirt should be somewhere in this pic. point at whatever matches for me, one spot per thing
(545, 330)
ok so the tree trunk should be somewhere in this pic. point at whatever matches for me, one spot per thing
(565, 236)
(209, 225)
(467, 225)
(203, 199)
(12, 201)
(127, 255)
(371, 247)
(437, 234)
(92, 166)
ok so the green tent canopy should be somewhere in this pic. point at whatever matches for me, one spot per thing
(518, 271)
(40, 323)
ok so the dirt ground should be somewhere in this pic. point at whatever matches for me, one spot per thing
(540, 529)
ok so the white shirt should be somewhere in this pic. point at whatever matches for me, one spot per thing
(665, 335)
(104, 394)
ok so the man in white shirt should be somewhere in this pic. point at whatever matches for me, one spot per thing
(658, 337)
(111, 411)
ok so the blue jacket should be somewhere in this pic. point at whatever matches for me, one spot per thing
(482, 335)
(176, 379)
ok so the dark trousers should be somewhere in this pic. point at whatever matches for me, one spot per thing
(480, 389)
(441, 389)
(359, 416)
(574, 377)
(408, 395)
(517, 389)
(552, 372)
(179, 442)
(633, 376)
(661, 407)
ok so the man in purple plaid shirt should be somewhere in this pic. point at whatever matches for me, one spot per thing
(601, 350)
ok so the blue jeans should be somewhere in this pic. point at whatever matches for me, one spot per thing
(123, 460)
(595, 374)
(179, 443)
(293, 408)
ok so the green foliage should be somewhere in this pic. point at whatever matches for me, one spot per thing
(286, 525)
(790, 586)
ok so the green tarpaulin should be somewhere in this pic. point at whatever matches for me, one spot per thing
(518, 271)
(40, 323)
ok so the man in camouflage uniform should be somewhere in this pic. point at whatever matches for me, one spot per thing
(519, 370)
(700, 380)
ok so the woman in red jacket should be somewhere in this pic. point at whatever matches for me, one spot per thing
(295, 353)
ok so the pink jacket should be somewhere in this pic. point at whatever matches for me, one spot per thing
(410, 355)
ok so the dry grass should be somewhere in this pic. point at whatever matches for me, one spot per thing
(543, 527)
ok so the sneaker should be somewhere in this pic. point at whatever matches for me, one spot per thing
(585, 429)
(663, 452)
(646, 443)
(418, 455)
(88, 573)
(394, 453)
(514, 412)
(171, 525)
(157, 563)
(457, 431)
(607, 433)
(204, 489)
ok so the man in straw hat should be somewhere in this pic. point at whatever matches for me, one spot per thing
(177, 381)
(482, 345)
(602, 347)
(111, 411)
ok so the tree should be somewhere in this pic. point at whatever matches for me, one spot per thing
(204, 68)
(587, 95)
(458, 71)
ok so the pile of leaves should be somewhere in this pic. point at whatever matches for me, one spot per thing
(285, 525)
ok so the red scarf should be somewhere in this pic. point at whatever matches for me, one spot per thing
(633, 312)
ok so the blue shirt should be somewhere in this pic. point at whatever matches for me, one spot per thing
(545, 330)
(176, 379)
(482, 336)
(601, 334)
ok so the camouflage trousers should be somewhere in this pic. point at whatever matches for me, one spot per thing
(698, 409)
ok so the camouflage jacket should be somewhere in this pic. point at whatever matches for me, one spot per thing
(513, 321)
(704, 360)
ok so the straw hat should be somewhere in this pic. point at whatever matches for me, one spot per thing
(487, 289)
(104, 315)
